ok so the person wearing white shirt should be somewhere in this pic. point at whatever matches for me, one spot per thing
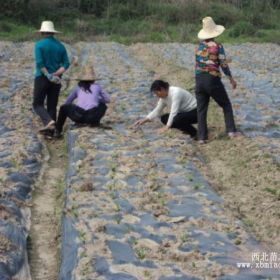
(182, 106)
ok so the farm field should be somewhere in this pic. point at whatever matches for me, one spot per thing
(117, 203)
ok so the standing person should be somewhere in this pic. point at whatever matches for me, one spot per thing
(210, 57)
(182, 106)
(90, 103)
(51, 62)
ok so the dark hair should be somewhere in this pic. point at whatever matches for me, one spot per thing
(158, 85)
(47, 33)
(85, 85)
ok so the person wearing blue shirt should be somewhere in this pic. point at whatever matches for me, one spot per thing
(51, 62)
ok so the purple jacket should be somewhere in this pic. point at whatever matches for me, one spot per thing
(88, 100)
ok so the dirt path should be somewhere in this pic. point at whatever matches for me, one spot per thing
(46, 215)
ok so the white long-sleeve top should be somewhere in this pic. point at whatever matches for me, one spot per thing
(178, 100)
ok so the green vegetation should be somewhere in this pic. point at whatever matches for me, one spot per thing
(142, 252)
(129, 21)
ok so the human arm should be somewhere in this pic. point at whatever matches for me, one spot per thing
(64, 63)
(51, 77)
(225, 67)
(72, 96)
(157, 110)
(175, 106)
(104, 96)
(141, 122)
(39, 60)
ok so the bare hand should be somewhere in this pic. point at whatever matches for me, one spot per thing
(163, 129)
(233, 83)
(139, 122)
(59, 72)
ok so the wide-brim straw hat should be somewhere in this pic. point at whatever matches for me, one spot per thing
(210, 29)
(87, 74)
(48, 27)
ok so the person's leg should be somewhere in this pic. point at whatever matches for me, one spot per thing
(71, 111)
(93, 116)
(39, 95)
(202, 99)
(164, 118)
(219, 94)
(184, 121)
(52, 99)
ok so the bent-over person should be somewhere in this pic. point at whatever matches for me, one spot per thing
(182, 106)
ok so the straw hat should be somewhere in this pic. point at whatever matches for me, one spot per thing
(87, 74)
(47, 26)
(210, 29)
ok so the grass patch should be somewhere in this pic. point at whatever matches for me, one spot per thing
(144, 21)
(13, 31)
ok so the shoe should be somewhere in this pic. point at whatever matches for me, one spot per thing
(201, 142)
(234, 134)
(49, 134)
(194, 137)
(57, 134)
(94, 125)
(49, 127)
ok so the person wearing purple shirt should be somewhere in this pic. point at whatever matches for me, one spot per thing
(90, 103)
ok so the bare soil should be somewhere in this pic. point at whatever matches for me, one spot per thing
(46, 215)
(242, 172)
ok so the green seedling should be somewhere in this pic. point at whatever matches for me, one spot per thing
(237, 242)
(142, 252)
(162, 199)
(118, 219)
(271, 190)
(15, 163)
(184, 238)
(181, 160)
(147, 273)
(74, 211)
(86, 270)
(83, 254)
(111, 186)
(133, 241)
(82, 236)
(197, 186)
(190, 178)
(117, 207)
(248, 222)
(113, 195)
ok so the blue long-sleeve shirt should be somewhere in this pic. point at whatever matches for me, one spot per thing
(50, 53)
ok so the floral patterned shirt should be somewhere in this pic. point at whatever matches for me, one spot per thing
(210, 56)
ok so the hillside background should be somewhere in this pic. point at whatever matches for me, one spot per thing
(129, 21)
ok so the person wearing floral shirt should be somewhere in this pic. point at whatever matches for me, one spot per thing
(210, 58)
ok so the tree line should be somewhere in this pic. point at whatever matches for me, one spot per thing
(142, 20)
(32, 11)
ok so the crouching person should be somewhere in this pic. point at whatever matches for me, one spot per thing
(182, 105)
(90, 103)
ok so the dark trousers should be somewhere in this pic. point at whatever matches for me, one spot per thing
(210, 86)
(43, 89)
(183, 121)
(79, 115)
